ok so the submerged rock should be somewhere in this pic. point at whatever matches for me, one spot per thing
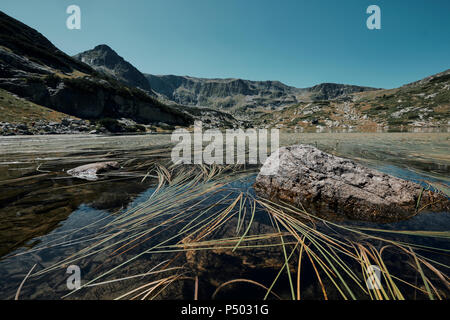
(339, 187)
(90, 171)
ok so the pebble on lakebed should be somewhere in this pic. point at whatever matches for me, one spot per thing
(341, 188)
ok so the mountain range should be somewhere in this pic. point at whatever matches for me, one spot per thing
(240, 95)
(232, 95)
(326, 105)
(98, 84)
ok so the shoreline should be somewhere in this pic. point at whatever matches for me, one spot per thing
(408, 129)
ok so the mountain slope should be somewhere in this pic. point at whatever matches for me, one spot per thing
(424, 103)
(38, 53)
(33, 68)
(105, 60)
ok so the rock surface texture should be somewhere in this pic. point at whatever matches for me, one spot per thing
(329, 185)
(90, 171)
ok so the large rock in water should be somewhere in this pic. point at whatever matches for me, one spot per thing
(327, 184)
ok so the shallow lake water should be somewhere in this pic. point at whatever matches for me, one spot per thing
(48, 216)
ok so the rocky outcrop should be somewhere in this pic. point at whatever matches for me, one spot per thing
(337, 187)
(91, 171)
(328, 91)
(94, 98)
(66, 126)
(104, 59)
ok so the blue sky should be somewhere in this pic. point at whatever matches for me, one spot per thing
(300, 43)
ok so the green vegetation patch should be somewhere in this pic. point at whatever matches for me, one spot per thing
(17, 110)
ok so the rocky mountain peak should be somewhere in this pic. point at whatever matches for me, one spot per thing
(106, 60)
(104, 47)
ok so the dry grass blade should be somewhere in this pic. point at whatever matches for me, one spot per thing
(23, 281)
(186, 210)
(243, 280)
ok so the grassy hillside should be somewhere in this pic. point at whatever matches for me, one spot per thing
(425, 103)
(18, 110)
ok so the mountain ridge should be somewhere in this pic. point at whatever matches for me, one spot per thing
(235, 93)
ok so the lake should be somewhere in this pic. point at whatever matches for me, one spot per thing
(156, 231)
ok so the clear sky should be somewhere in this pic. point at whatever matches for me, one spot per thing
(300, 43)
